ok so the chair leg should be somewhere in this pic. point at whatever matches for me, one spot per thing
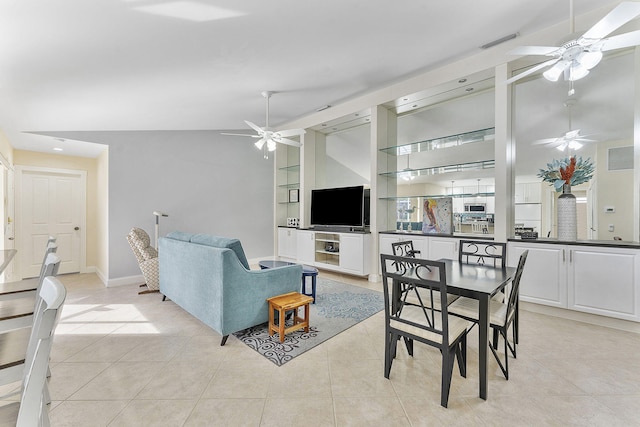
(409, 344)
(224, 340)
(495, 339)
(164, 297)
(389, 352)
(447, 373)
(503, 367)
(461, 354)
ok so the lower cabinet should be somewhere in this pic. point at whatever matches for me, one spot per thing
(443, 248)
(287, 242)
(420, 243)
(544, 279)
(343, 252)
(306, 245)
(598, 280)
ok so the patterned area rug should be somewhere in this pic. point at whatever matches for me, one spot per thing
(338, 307)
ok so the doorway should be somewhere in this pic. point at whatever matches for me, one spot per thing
(51, 202)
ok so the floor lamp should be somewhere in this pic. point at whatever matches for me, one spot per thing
(158, 215)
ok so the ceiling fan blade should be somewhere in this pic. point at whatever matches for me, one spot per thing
(545, 141)
(533, 50)
(290, 142)
(532, 70)
(619, 16)
(255, 127)
(291, 132)
(572, 134)
(623, 40)
(240, 134)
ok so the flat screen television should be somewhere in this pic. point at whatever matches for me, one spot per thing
(344, 206)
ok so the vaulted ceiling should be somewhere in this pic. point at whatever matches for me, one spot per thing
(103, 65)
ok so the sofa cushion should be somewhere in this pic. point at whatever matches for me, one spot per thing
(222, 242)
(180, 235)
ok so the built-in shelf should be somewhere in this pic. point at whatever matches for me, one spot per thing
(436, 196)
(292, 168)
(290, 185)
(442, 142)
(462, 167)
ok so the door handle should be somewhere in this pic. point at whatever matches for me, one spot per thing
(10, 238)
(76, 228)
(563, 259)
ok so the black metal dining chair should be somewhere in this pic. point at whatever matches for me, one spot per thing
(483, 252)
(405, 249)
(422, 322)
(502, 316)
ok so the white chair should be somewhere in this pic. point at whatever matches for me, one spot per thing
(18, 312)
(20, 288)
(32, 409)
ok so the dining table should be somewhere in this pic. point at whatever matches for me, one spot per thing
(480, 282)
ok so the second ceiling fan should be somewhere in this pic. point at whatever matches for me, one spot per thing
(268, 139)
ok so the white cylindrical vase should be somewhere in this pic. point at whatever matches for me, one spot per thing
(567, 218)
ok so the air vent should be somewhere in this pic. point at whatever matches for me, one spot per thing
(620, 158)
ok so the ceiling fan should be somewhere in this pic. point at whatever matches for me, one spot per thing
(571, 139)
(268, 138)
(577, 56)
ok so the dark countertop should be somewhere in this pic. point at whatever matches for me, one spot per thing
(455, 235)
(601, 243)
(326, 230)
(596, 243)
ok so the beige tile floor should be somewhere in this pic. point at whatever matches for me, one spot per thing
(122, 359)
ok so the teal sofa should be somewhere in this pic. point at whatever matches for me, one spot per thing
(210, 278)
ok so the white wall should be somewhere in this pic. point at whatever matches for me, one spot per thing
(205, 181)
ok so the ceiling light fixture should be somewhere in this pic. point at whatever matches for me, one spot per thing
(576, 57)
(268, 138)
(57, 149)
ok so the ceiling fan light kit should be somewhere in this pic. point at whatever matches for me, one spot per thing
(575, 58)
(269, 139)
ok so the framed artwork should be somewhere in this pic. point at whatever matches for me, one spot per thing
(437, 216)
(294, 195)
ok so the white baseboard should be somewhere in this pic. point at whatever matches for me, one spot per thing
(103, 277)
(123, 281)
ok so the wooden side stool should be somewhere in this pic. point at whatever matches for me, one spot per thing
(283, 303)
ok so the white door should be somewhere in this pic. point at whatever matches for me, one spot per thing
(52, 203)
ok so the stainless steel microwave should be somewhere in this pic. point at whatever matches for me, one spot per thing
(475, 207)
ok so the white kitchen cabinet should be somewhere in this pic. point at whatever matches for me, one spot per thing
(604, 281)
(544, 279)
(529, 192)
(287, 242)
(443, 248)
(594, 279)
(420, 243)
(306, 245)
(353, 258)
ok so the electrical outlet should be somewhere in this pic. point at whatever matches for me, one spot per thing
(610, 227)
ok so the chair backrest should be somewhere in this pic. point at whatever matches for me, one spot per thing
(141, 245)
(515, 285)
(52, 248)
(53, 294)
(483, 252)
(50, 267)
(404, 249)
(428, 279)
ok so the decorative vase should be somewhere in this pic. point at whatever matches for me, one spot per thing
(567, 220)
